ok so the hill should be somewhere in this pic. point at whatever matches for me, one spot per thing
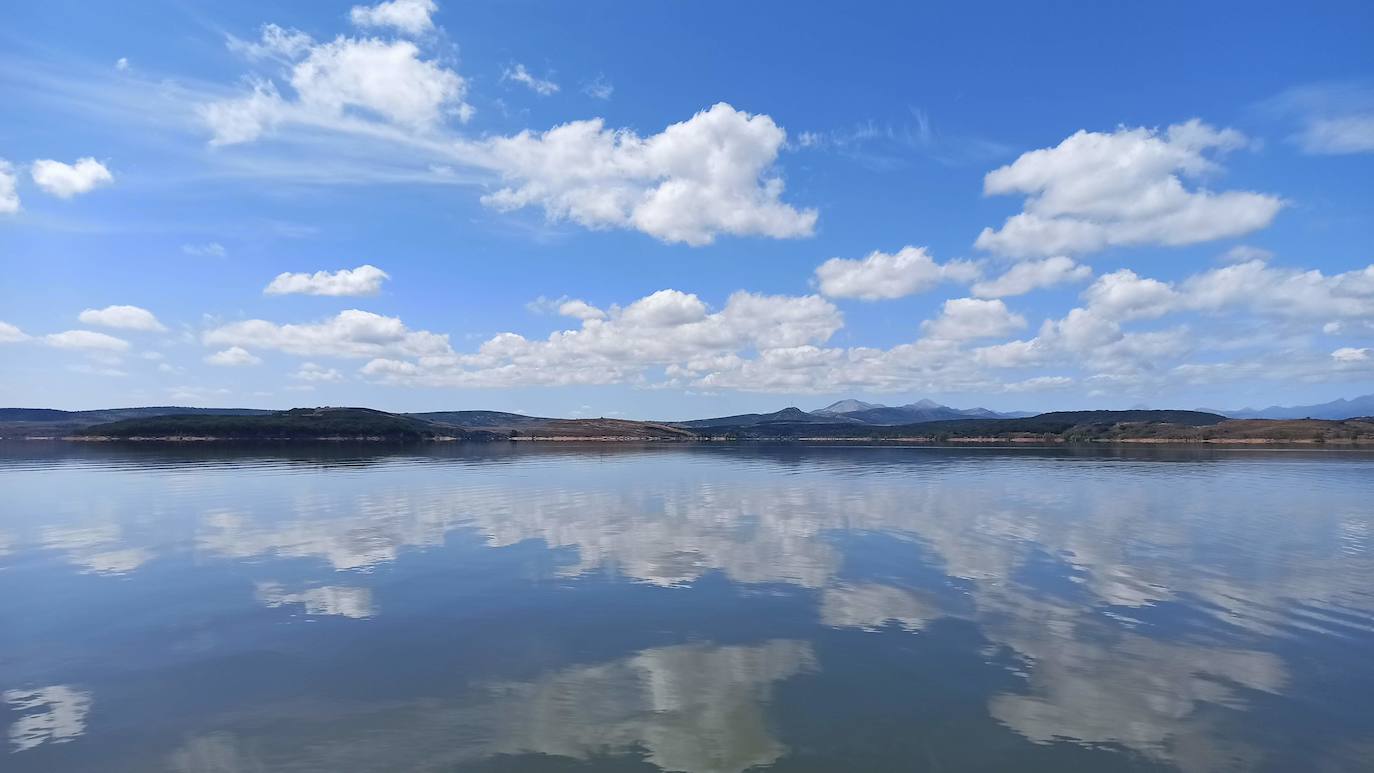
(55, 423)
(295, 424)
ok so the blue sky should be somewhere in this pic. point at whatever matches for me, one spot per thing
(685, 209)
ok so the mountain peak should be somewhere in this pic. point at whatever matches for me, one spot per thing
(926, 403)
(849, 406)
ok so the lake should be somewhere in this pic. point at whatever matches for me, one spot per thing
(729, 607)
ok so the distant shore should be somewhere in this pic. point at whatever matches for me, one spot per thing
(330, 424)
(900, 441)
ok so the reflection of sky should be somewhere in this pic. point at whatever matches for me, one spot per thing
(1141, 599)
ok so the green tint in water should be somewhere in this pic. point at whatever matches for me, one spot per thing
(716, 608)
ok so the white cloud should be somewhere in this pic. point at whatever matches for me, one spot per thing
(1039, 384)
(274, 43)
(87, 340)
(1347, 134)
(705, 176)
(1349, 354)
(363, 280)
(541, 86)
(564, 306)
(387, 78)
(882, 275)
(9, 193)
(367, 80)
(10, 334)
(1244, 253)
(351, 333)
(413, 17)
(1122, 295)
(206, 250)
(1030, 275)
(67, 180)
(580, 309)
(1284, 293)
(598, 88)
(123, 317)
(963, 319)
(1096, 190)
(777, 344)
(122, 63)
(1333, 118)
(233, 357)
(244, 119)
(309, 371)
(666, 329)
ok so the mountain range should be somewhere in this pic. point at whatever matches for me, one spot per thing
(843, 418)
(921, 410)
(1336, 409)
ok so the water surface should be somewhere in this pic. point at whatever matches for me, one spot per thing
(686, 608)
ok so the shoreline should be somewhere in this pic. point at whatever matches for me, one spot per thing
(952, 441)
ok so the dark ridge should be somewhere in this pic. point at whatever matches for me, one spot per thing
(297, 423)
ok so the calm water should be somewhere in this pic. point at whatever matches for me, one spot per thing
(497, 608)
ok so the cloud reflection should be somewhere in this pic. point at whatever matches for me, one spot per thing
(53, 714)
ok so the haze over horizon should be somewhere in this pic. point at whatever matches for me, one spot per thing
(677, 212)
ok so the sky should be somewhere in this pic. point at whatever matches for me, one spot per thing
(676, 210)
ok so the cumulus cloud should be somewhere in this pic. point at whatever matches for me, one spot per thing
(363, 280)
(1123, 295)
(67, 180)
(779, 344)
(1096, 190)
(233, 357)
(962, 319)
(1030, 275)
(9, 193)
(413, 17)
(309, 371)
(1093, 336)
(350, 333)
(705, 176)
(580, 309)
(883, 275)
(541, 86)
(10, 334)
(86, 340)
(365, 79)
(668, 328)
(122, 317)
